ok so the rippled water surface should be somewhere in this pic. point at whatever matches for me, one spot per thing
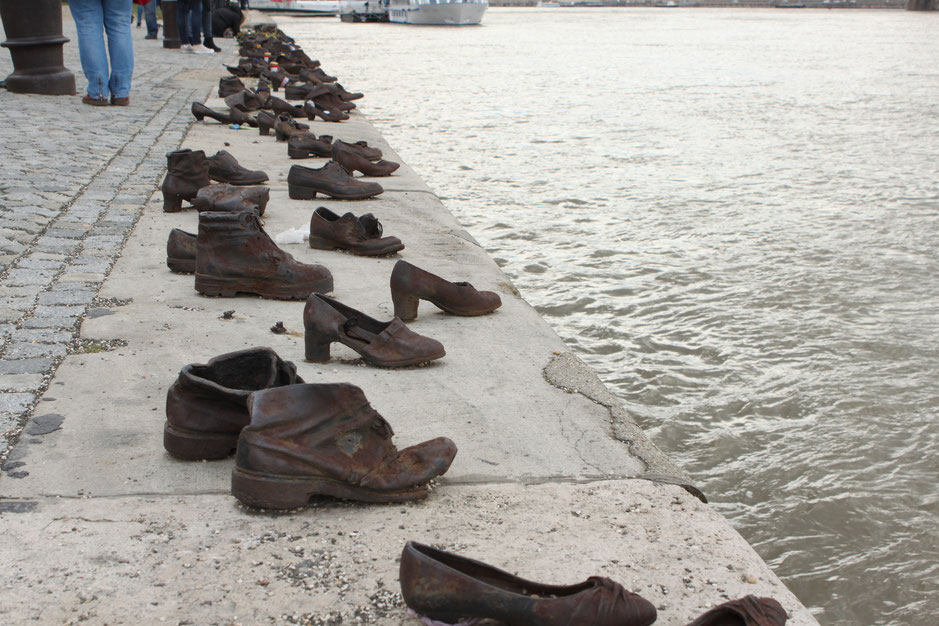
(734, 217)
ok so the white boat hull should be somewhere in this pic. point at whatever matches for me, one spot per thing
(446, 14)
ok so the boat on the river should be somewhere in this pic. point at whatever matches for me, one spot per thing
(312, 8)
(437, 12)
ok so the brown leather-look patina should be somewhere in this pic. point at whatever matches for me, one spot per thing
(386, 344)
(234, 116)
(228, 85)
(303, 183)
(234, 255)
(450, 588)
(282, 107)
(181, 252)
(357, 235)
(349, 158)
(207, 405)
(306, 144)
(326, 440)
(187, 171)
(286, 127)
(746, 611)
(226, 197)
(246, 100)
(361, 148)
(225, 168)
(410, 284)
(312, 110)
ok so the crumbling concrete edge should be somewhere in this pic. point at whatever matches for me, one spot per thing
(569, 373)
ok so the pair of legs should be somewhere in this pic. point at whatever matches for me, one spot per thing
(193, 17)
(94, 18)
(149, 10)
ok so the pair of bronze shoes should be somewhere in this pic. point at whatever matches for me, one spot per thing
(336, 178)
(294, 440)
(188, 171)
(391, 344)
(450, 588)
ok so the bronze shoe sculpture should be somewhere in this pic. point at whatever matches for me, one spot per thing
(207, 406)
(326, 440)
(187, 173)
(234, 255)
(246, 100)
(225, 197)
(317, 74)
(285, 127)
(313, 110)
(346, 156)
(181, 252)
(386, 344)
(266, 122)
(303, 183)
(357, 235)
(747, 611)
(225, 168)
(340, 91)
(229, 85)
(302, 91)
(451, 588)
(306, 144)
(330, 100)
(282, 107)
(410, 284)
(362, 149)
(234, 116)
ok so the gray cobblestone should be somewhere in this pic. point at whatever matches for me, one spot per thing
(20, 382)
(39, 264)
(19, 277)
(15, 402)
(68, 296)
(26, 350)
(24, 366)
(42, 336)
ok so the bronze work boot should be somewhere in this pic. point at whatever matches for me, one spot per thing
(313, 110)
(229, 85)
(358, 235)
(207, 406)
(234, 255)
(386, 344)
(352, 161)
(305, 144)
(326, 440)
(450, 588)
(362, 149)
(224, 168)
(181, 252)
(303, 183)
(225, 197)
(410, 284)
(247, 100)
(234, 116)
(285, 127)
(747, 611)
(187, 173)
(282, 107)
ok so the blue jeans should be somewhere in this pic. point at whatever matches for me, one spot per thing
(92, 19)
(150, 14)
(185, 10)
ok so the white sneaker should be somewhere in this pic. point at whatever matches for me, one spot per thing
(186, 47)
(200, 49)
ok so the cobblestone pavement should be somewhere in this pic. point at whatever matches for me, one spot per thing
(73, 181)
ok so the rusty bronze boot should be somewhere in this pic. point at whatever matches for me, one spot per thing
(229, 85)
(207, 406)
(305, 144)
(410, 284)
(225, 168)
(385, 344)
(450, 588)
(326, 440)
(346, 156)
(234, 255)
(187, 173)
(225, 197)
(181, 252)
(303, 183)
(357, 235)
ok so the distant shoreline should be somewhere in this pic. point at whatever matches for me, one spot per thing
(744, 4)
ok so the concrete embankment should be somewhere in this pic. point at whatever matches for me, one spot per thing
(552, 480)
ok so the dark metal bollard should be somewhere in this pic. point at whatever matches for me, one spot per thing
(35, 40)
(170, 27)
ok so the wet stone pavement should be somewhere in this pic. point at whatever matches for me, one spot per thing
(74, 179)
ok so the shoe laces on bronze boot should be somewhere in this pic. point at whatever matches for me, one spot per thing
(326, 440)
(187, 171)
(410, 284)
(207, 405)
(234, 255)
(225, 168)
(358, 235)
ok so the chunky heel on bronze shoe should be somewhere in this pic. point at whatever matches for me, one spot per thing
(300, 193)
(317, 350)
(172, 204)
(193, 446)
(297, 153)
(405, 305)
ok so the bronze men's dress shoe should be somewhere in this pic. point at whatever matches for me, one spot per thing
(181, 252)
(361, 148)
(225, 168)
(451, 588)
(207, 406)
(747, 611)
(386, 344)
(234, 255)
(349, 158)
(358, 235)
(305, 144)
(410, 284)
(326, 440)
(286, 127)
(303, 183)
(187, 172)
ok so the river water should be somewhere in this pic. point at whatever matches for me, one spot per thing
(733, 215)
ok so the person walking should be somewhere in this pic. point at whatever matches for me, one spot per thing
(94, 18)
(148, 8)
(189, 19)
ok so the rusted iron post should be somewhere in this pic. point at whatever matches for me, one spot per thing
(170, 27)
(35, 40)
